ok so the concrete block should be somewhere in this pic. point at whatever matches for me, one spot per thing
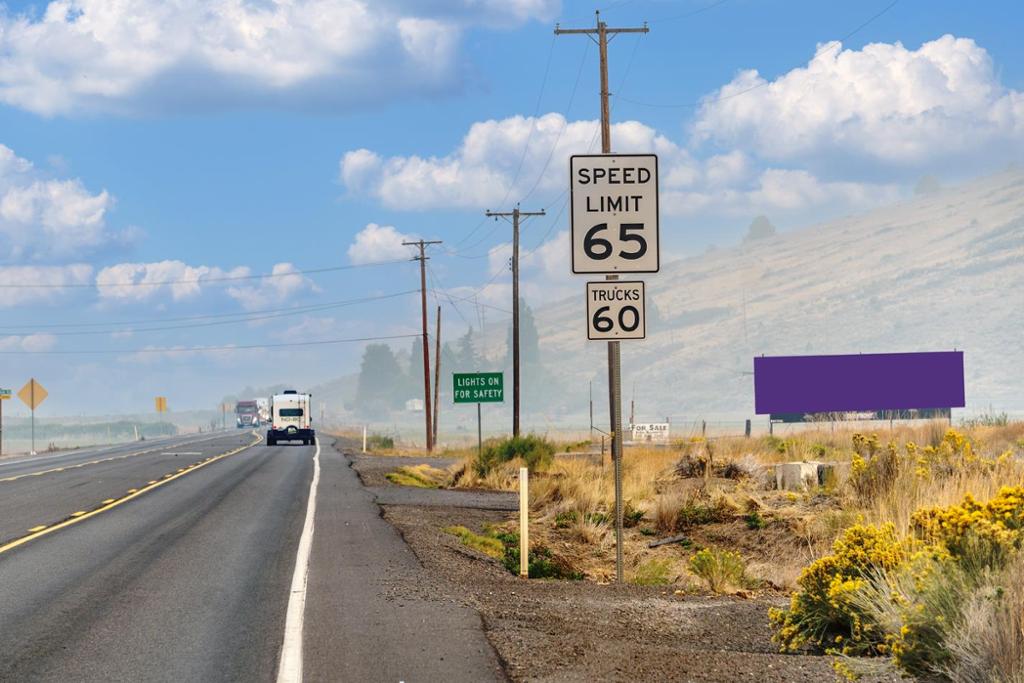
(796, 476)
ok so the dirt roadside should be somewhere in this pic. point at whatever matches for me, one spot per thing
(546, 630)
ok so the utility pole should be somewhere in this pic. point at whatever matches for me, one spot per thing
(602, 31)
(422, 258)
(437, 373)
(516, 215)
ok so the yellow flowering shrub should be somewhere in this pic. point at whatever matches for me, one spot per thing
(823, 612)
(993, 529)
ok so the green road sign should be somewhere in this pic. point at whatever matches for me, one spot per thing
(479, 387)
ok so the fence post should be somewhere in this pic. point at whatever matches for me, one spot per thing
(524, 522)
(746, 429)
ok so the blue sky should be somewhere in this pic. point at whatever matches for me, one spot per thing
(250, 136)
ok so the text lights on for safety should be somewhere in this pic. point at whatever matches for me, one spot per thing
(614, 218)
(615, 310)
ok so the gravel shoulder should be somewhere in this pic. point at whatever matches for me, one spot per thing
(578, 630)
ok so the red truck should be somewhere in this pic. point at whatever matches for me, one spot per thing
(247, 414)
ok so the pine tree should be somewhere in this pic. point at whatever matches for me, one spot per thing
(380, 380)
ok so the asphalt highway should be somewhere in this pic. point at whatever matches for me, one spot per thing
(177, 561)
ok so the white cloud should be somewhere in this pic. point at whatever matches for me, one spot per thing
(883, 103)
(378, 243)
(134, 282)
(480, 173)
(227, 354)
(32, 342)
(53, 279)
(145, 281)
(43, 218)
(81, 55)
(286, 283)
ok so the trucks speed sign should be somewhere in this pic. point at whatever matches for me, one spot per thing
(615, 310)
(614, 213)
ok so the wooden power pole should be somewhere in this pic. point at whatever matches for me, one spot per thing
(602, 31)
(437, 374)
(422, 258)
(515, 214)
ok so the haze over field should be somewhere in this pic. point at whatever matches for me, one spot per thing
(941, 271)
(182, 220)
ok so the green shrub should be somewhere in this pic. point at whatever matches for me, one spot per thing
(536, 453)
(696, 512)
(379, 442)
(754, 520)
(542, 563)
(565, 519)
(631, 516)
(653, 573)
(721, 569)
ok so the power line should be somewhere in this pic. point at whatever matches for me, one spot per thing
(763, 83)
(198, 280)
(547, 161)
(685, 15)
(239, 318)
(526, 147)
(202, 349)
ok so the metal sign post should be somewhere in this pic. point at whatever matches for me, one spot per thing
(4, 395)
(32, 394)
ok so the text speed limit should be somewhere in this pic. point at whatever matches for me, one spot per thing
(614, 213)
(615, 310)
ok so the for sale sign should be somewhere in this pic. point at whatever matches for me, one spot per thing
(614, 213)
(657, 432)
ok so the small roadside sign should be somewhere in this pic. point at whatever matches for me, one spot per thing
(614, 217)
(479, 387)
(615, 310)
(32, 394)
(5, 393)
(161, 404)
(657, 432)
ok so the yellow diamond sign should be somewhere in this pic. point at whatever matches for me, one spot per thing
(32, 394)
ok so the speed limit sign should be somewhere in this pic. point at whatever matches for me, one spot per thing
(614, 213)
(615, 310)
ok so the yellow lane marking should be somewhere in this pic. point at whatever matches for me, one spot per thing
(83, 515)
(37, 528)
(100, 461)
(108, 500)
(132, 490)
(151, 481)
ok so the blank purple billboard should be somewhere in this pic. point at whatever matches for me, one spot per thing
(869, 381)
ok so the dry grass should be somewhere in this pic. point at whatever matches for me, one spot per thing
(419, 476)
(572, 500)
(988, 645)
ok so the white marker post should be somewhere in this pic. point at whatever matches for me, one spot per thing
(524, 522)
(364, 438)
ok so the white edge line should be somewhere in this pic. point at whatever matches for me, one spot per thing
(290, 668)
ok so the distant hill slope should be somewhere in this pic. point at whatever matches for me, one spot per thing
(940, 271)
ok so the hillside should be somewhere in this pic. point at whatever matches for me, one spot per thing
(940, 271)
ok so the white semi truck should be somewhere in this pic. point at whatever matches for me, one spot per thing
(291, 418)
